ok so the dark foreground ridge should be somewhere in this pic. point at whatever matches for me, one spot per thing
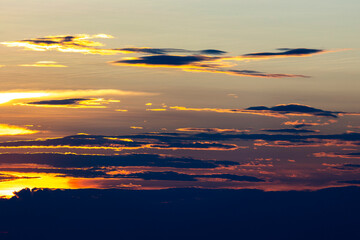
(181, 214)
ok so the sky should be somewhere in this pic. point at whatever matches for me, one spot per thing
(172, 94)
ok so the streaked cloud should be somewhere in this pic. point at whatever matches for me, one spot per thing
(195, 63)
(353, 155)
(17, 96)
(148, 50)
(70, 161)
(43, 64)
(72, 103)
(290, 130)
(211, 130)
(283, 53)
(304, 123)
(245, 73)
(80, 43)
(278, 111)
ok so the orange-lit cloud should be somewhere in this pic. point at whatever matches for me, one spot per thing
(16, 96)
(195, 63)
(44, 64)
(6, 130)
(311, 143)
(156, 109)
(136, 127)
(72, 103)
(337, 155)
(304, 123)
(65, 43)
(244, 73)
(212, 130)
(278, 111)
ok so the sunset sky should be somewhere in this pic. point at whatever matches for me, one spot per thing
(171, 94)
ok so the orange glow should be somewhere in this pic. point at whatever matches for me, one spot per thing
(32, 180)
(6, 130)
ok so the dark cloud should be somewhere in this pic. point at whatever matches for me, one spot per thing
(172, 141)
(296, 109)
(91, 161)
(170, 50)
(70, 101)
(168, 60)
(286, 52)
(118, 143)
(279, 111)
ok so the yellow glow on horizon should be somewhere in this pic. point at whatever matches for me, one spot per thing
(32, 180)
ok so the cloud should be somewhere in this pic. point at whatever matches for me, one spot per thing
(7, 177)
(7, 130)
(195, 63)
(72, 103)
(245, 73)
(211, 130)
(279, 111)
(16, 96)
(284, 52)
(232, 177)
(291, 130)
(355, 155)
(80, 43)
(207, 60)
(160, 51)
(302, 123)
(44, 64)
(117, 143)
(93, 161)
(176, 61)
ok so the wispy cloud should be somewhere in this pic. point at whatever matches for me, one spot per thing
(278, 111)
(43, 64)
(80, 43)
(148, 50)
(211, 130)
(72, 103)
(15, 96)
(284, 53)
